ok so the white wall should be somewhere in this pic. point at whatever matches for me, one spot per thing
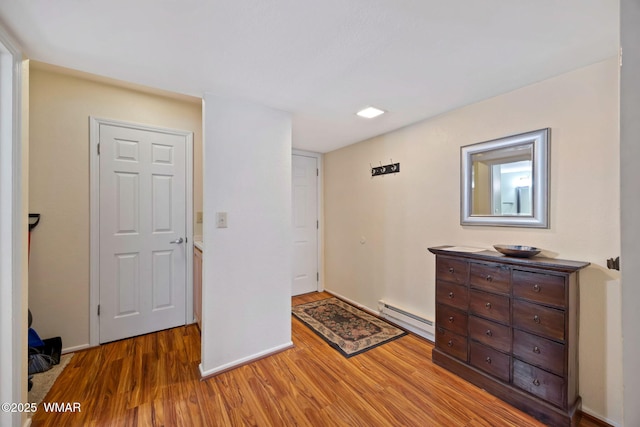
(630, 204)
(401, 215)
(246, 308)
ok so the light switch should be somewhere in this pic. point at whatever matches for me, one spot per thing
(221, 219)
(199, 217)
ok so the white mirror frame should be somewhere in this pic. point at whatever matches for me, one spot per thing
(539, 181)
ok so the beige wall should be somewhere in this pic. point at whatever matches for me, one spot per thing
(401, 215)
(60, 106)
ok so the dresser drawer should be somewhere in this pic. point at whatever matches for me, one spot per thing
(545, 321)
(454, 295)
(539, 351)
(491, 306)
(450, 343)
(451, 319)
(539, 382)
(543, 288)
(490, 277)
(451, 270)
(489, 360)
(490, 333)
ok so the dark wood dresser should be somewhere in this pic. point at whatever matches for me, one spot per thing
(510, 326)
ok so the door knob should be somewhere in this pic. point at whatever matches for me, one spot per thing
(177, 241)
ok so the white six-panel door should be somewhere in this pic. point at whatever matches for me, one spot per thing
(305, 224)
(142, 277)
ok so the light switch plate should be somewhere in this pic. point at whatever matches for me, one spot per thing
(221, 219)
(199, 217)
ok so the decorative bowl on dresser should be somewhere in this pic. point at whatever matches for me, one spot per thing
(510, 326)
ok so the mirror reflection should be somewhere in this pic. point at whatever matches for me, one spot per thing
(501, 181)
(504, 181)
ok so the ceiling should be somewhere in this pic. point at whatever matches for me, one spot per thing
(322, 60)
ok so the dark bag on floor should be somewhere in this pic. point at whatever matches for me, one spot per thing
(52, 347)
(38, 362)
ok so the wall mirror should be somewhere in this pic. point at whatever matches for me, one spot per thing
(504, 182)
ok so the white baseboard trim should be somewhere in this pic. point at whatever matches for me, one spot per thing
(243, 361)
(600, 417)
(76, 348)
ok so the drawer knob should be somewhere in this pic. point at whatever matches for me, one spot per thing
(450, 343)
(536, 319)
(536, 350)
(536, 382)
(488, 360)
(489, 333)
(488, 305)
(536, 288)
(450, 294)
(451, 270)
(489, 278)
(450, 319)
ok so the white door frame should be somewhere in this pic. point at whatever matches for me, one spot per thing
(13, 233)
(320, 205)
(94, 217)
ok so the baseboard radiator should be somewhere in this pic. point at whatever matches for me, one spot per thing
(412, 322)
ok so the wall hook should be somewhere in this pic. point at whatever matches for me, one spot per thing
(613, 264)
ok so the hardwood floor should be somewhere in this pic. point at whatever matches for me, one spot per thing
(153, 380)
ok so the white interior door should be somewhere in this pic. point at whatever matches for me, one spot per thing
(142, 231)
(305, 224)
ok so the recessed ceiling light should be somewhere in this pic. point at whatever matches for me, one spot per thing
(370, 112)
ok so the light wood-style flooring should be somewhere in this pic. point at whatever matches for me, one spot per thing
(153, 380)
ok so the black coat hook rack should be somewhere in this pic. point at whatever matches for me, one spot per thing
(385, 169)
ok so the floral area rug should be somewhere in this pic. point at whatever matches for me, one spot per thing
(346, 328)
